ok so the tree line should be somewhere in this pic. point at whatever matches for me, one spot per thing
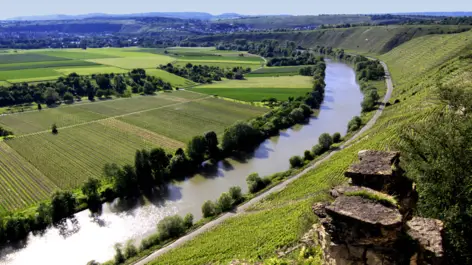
(74, 87)
(205, 74)
(265, 48)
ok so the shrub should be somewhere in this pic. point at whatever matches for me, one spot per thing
(208, 209)
(354, 124)
(308, 156)
(170, 227)
(130, 250)
(188, 220)
(236, 194)
(336, 138)
(150, 241)
(254, 183)
(368, 104)
(68, 97)
(325, 141)
(296, 162)
(119, 258)
(54, 129)
(317, 150)
(225, 202)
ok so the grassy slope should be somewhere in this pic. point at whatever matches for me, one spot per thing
(362, 39)
(382, 136)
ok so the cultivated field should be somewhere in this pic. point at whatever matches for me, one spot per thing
(276, 71)
(92, 134)
(259, 88)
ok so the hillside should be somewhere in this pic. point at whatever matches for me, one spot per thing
(375, 40)
(275, 223)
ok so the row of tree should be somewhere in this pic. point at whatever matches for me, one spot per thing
(266, 48)
(206, 74)
(5, 132)
(75, 86)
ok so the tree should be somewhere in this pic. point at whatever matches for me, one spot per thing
(297, 115)
(103, 82)
(119, 257)
(159, 161)
(308, 156)
(368, 104)
(225, 202)
(325, 141)
(171, 227)
(62, 205)
(436, 155)
(336, 138)
(236, 194)
(317, 150)
(212, 144)
(125, 182)
(296, 162)
(188, 220)
(196, 149)
(54, 129)
(143, 169)
(90, 190)
(130, 250)
(255, 183)
(208, 209)
(240, 136)
(354, 124)
(68, 97)
(39, 107)
(148, 88)
(51, 96)
(119, 83)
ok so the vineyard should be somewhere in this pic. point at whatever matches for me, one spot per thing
(93, 134)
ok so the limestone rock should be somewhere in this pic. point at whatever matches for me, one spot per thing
(428, 233)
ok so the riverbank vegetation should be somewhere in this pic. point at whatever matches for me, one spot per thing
(204, 74)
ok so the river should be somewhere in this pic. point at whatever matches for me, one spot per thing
(84, 238)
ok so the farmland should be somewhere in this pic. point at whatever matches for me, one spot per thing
(259, 88)
(48, 64)
(276, 71)
(92, 134)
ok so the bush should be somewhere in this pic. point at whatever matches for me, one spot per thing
(225, 202)
(336, 138)
(236, 194)
(354, 124)
(317, 150)
(208, 209)
(368, 104)
(254, 183)
(119, 258)
(54, 129)
(308, 156)
(188, 220)
(296, 162)
(130, 250)
(325, 141)
(170, 227)
(150, 241)
(68, 97)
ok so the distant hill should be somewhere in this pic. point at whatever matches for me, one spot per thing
(181, 15)
(440, 14)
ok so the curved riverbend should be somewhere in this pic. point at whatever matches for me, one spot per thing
(85, 238)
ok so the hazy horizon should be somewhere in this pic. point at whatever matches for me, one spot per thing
(16, 8)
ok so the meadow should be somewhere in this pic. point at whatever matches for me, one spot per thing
(276, 71)
(237, 234)
(259, 88)
(93, 134)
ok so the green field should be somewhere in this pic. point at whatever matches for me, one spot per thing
(91, 70)
(175, 80)
(276, 71)
(27, 58)
(259, 88)
(92, 134)
(45, 64)
(20, 75)
(235, 238)
(4, 83)
(152, 61)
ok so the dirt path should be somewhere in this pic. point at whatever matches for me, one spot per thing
(241, 209)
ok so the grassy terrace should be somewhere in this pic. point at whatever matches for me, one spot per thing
(278, 216)
(92, 134)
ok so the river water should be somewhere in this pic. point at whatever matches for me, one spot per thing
(84, 238)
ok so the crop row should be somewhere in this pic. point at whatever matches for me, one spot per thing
(21, 184)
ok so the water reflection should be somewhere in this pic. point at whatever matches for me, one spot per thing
(120, 220)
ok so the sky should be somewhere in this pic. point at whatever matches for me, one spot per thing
(14, 8)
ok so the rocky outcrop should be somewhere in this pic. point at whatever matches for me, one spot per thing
(365, 224)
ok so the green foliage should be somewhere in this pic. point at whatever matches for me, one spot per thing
(336, 138)
(236, 194)
(308, 156)
(63, 204)
(240, 136)
(209, 209)
(171, 227)
(296, 162)
(325, 141)
(225, 202)
(382, 198)
(130, 250)
(188, 220)
(149, 241)
(196, 149)
(256, 183)
(354, 124)
(317, 150)
(119, 257)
